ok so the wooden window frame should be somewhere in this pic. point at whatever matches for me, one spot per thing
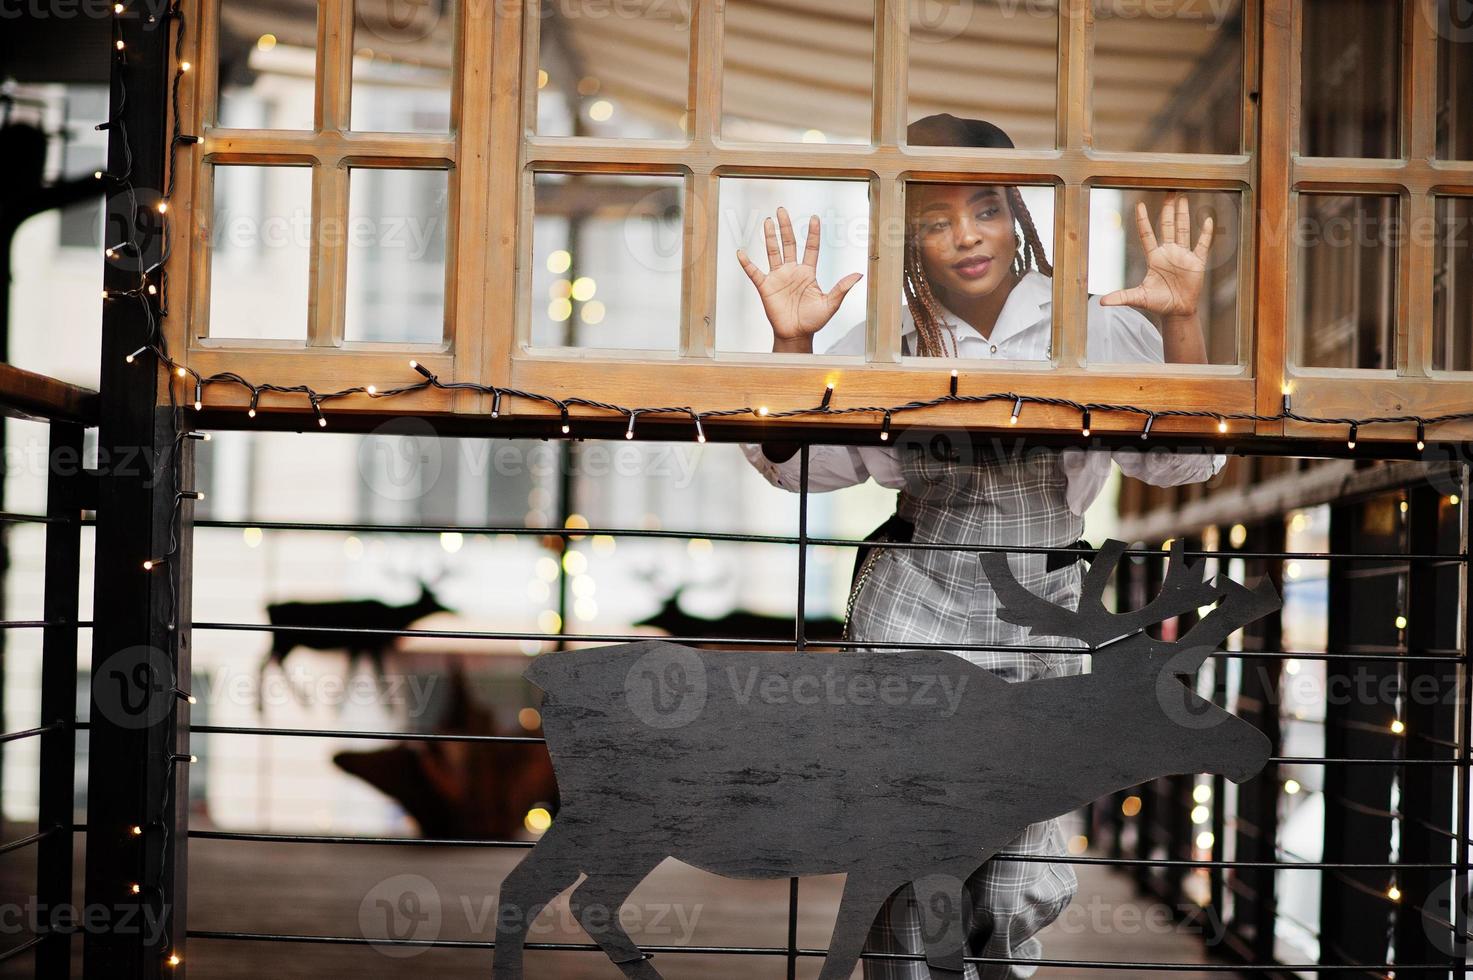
(493, 157)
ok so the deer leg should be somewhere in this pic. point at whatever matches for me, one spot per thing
(857, 910)
(943, 923)
(537, 880)
(596, 904)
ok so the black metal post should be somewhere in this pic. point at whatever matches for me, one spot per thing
(137, 793)
(65, 484)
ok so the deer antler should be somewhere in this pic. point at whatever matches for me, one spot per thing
(1239, 607)
(1183, 591)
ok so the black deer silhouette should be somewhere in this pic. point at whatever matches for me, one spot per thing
(737, 623)
(891, 767)
(372, 614)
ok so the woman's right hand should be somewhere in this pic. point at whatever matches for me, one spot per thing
(791, 297)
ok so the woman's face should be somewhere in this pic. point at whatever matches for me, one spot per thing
(966, 238)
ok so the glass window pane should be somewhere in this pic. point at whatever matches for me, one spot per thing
(842, 207)
(978, 275)
(1168, 78)
(1347, 281)
(396, 255)
(403, 64)
(1452, 305)
(613, 69)
(1351, 66)
(1006, 51)
(1454, 83)
(260, 249)
(268, 63)
(606, 260)
(1169, 284)
(798, 72)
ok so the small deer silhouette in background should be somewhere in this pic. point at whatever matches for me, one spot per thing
(371, 614)
(736, 623)
(891, 767)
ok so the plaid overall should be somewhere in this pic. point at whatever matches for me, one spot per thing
(976, 496)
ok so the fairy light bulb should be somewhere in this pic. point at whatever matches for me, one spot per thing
(629, 432)
(1350, 442)
(885, 428)
(1084, 430)
(1017, 410)
(1421, 435)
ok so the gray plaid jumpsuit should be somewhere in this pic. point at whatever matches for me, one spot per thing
(940, 595)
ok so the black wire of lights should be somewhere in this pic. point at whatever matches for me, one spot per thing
(150, 291)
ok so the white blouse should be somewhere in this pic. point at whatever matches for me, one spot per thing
(1115, 334)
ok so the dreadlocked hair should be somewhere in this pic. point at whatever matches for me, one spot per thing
(925, 309)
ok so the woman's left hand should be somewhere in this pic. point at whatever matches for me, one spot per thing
(1174, 269)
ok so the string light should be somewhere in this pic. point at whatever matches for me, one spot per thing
(317, 410)
(255, 397)
(700, 433)
(191, 495)
(199, 392)
(885, 428)
(153, 563)
(953, 382)
(134, 356)
(629, 432)
(825, 404)
(1288, 402)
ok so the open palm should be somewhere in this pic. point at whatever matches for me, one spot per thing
(791, 297)
(1174, 268)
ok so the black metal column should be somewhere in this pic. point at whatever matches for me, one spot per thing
(1355, 909)
(64, 501)
(137, 795)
